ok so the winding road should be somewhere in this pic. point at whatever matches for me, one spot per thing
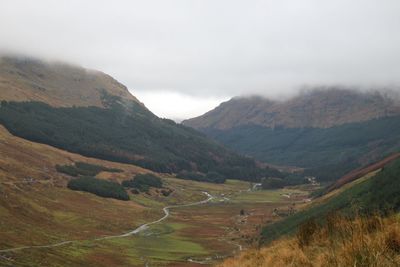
(130, 233)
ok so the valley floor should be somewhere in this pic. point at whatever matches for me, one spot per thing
(37, 209)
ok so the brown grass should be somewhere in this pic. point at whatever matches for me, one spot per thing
(372, 241)
(56, 84)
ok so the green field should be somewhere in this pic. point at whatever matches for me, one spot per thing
(193, 232)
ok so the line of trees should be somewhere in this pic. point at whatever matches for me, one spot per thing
(288, 180)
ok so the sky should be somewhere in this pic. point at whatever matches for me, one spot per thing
(183, 57)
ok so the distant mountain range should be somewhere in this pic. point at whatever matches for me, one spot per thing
(329, 130)
(90, 113)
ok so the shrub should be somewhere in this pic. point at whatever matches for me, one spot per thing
(305, 232)
(67, 169)
(93, 168)
(98, 187)
(135, 191)
(272, 183)
(143, 182)
(187, 175)
(166, 193)
(392, 240)
(215, 177)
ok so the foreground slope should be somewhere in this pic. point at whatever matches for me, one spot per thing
(377, 191)
(354, 225)
(99, 118)
(364, 241)
(331, 131)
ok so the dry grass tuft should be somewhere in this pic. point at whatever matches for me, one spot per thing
(392, 240)
(363, 241)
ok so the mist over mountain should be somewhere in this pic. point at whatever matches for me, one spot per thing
(270, 48)
(318, 108)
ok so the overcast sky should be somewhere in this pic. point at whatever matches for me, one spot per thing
(181, 58)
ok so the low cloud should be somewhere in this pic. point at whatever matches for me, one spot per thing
(214, 49)
(177, 106)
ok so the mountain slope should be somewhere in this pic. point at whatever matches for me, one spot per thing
(35, 203)
(101, 119)
(377, 191)
(328, 131)
(319, 108)
(57, 84)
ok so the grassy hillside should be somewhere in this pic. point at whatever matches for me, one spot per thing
(364, 241)
(58, 84)
(380, 193)
(328, 152)
(356, 225)
(35, 202)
